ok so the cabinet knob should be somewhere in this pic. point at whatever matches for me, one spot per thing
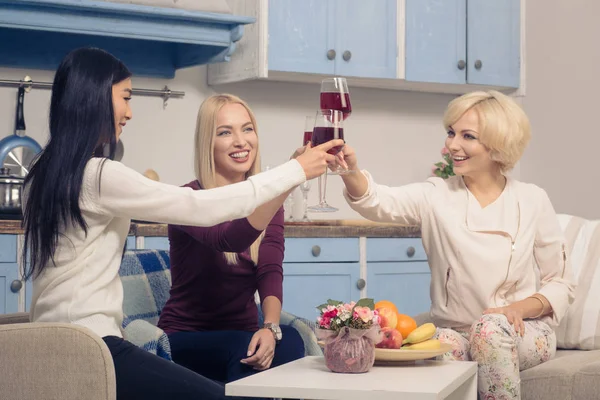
(360, 284)
(15, 286)
(316, 251)
(331, 54)
(478, 64)
(347, 55)
(461, 64)
(410, 251)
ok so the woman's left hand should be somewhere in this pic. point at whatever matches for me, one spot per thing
(261, 350)
(513, 315)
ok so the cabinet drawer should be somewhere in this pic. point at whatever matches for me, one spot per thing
(321, 249)
(156, 242)
(8, 248)
(384, 249)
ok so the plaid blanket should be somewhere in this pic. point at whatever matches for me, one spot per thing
(146, 281)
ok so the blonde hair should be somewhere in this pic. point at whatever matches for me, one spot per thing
(204, 156)
(503, 125)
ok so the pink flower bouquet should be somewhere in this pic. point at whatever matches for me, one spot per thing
(350, 332)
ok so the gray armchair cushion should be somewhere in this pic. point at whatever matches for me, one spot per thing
(54, 361)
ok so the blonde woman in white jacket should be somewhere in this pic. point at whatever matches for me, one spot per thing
(484, 234)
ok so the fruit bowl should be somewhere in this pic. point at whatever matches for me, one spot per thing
(395, 356)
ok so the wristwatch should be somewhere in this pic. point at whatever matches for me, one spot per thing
(275, 329)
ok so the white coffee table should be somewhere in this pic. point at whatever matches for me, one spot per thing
(309, 378)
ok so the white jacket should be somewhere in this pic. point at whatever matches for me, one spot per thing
(479, 258)
(83, 286)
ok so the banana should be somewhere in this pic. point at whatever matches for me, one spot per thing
(420, 334)
(431, 344)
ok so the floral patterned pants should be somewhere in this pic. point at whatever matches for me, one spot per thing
(493, 343)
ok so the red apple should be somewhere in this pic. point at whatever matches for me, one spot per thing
(392, 339)
(388, 317)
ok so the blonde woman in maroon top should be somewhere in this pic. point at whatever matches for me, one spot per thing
(211, 316)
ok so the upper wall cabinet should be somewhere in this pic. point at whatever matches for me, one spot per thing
(450, 46)
(463, 41)
(333, 37)
(152, 41)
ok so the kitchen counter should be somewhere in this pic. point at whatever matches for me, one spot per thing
(321, 228)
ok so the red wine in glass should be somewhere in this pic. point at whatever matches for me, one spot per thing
(323, 134)
(307, 137)
(336, 101)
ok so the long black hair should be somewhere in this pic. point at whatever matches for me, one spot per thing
(82, 126)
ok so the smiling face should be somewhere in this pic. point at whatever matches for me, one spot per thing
(235, 144)
(121, 94)
(469, 155)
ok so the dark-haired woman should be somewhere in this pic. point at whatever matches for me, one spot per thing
(79, 205)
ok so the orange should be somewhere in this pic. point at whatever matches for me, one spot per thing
(405, 325)
(386, 304)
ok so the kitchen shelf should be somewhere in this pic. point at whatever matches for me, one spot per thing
(152, 41)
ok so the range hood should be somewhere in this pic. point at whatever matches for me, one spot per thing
(152, 41)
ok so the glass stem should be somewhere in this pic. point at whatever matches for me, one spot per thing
(322, 188)
(305, 203)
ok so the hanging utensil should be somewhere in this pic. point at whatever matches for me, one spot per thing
(17, 151)
(10, 195)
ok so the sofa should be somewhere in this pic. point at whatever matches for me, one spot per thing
(68, 362)
(574, 373)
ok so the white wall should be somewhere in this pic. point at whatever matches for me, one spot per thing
(562, 101)
(398, 135)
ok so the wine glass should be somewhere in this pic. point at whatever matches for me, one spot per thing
(335, 95)
(309, 122)
(328, 126)
(305, 188)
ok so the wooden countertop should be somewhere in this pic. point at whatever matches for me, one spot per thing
(321, 228)
(10, 227)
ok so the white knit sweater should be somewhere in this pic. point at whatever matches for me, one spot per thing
(84, 287)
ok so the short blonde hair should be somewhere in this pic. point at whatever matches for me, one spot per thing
(503, 125)
(204, 156)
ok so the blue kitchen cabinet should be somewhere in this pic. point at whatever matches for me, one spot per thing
(333, 37)
(306, 285)
(9, 272)
(300, 34)
(463, 41)
(9, 301)
(397, 270)
(130, 243)
(493, 42)
(317, 269)
(366, 38)
(156, 242)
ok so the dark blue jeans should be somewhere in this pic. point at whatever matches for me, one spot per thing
(145, 376)
(217, 354)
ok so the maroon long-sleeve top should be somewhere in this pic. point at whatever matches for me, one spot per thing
(207, 293)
